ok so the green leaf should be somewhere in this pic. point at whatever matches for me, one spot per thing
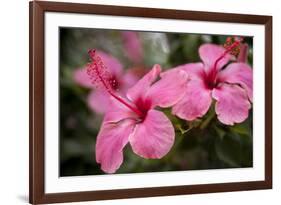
(229, 151)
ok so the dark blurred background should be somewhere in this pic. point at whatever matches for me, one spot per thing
(201, 144)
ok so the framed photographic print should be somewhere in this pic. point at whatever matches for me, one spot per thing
(139, 102)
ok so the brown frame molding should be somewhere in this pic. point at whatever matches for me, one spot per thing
(37, 9)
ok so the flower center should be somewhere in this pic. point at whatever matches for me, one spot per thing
(144, 106)
(232, 47)
(101, 77)
(115, 84)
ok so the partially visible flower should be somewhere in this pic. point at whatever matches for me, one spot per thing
(134, 119)
(231, 85)
(132, 46)
(98, 100)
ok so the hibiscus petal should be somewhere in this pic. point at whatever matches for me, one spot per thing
(132, 46)
(154, 137)
(81, 77)
(98, 101)
(239, 73)
(129, 79)
(243, 54)
(169, 90)
(232, 104)
(112, 64)
(195, 102)
(115, 68)
(111, 140)
(194, 70)
(209, 53)
(140, 88)
(117, 111)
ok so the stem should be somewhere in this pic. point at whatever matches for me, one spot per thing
(206, 122)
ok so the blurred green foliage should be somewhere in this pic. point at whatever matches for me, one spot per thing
(202, 144)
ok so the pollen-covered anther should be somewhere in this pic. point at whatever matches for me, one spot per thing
(232, 44)
(98, 72)
(102, 78)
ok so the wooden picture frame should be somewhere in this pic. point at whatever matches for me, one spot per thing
(37, 10)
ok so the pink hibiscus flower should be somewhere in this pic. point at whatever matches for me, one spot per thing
(98, 100)
(132, 46)
(231, 85)
(134, 119)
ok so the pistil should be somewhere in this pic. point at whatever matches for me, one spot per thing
(213, 74)
(99, 68)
